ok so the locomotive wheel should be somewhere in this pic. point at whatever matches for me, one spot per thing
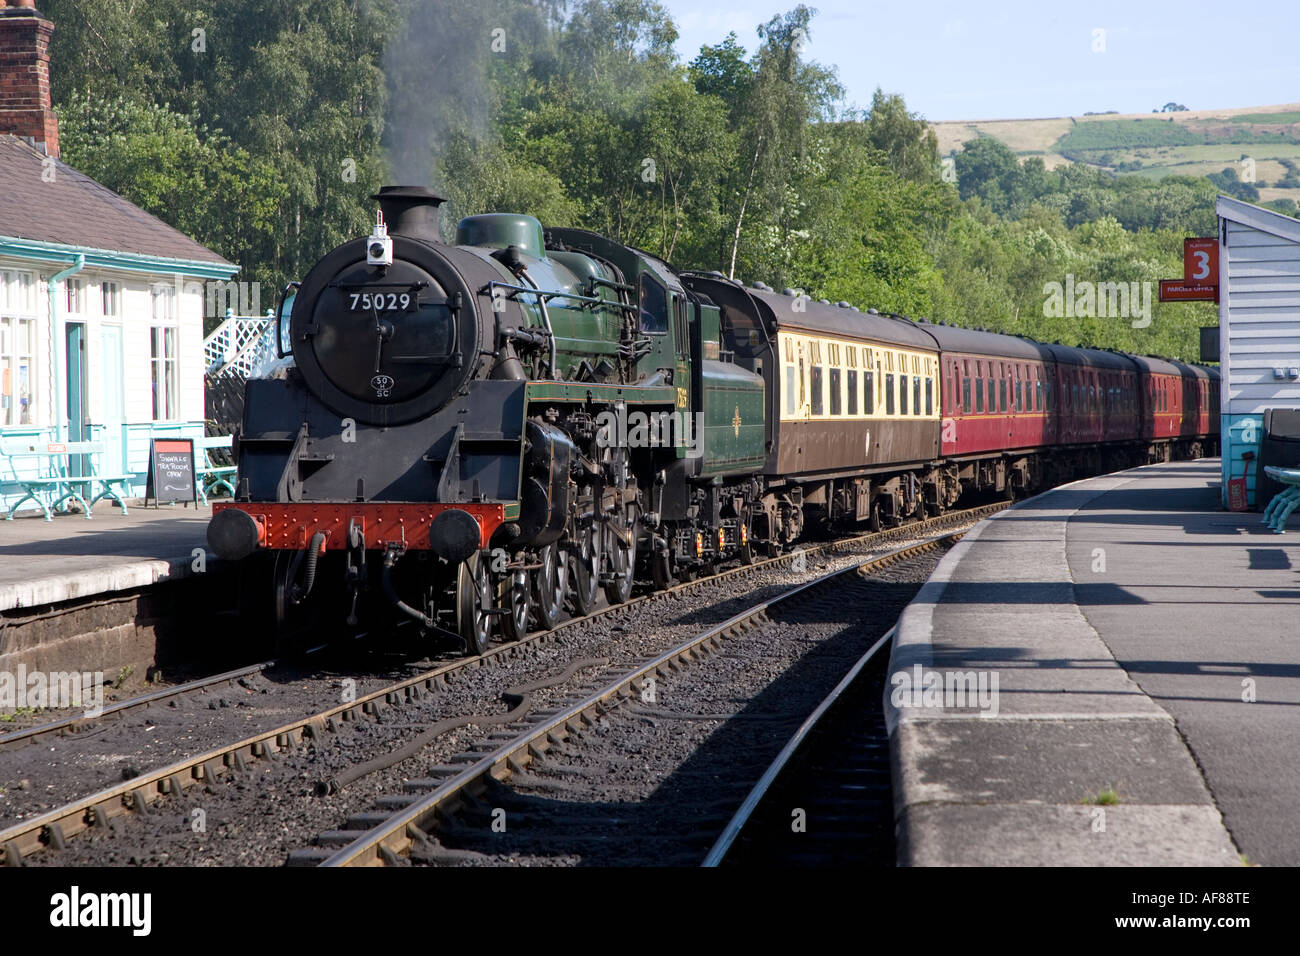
(622, 559)
(290, 618)
(550, 584)
(474, 605)
(585, 567)
(516, 598)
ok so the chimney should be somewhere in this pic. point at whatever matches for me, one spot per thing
(25, 75)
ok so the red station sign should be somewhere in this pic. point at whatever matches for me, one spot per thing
(1200, 281)
(1201, 260)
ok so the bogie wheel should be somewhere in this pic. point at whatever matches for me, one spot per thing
(550, 584)
(516, 600)
(585, 565)
(474, 604)
(621, 556)
(746, 550)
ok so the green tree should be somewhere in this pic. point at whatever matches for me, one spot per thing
(905, 138)
(171, 165)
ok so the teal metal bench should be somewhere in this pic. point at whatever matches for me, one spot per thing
(53, 486)
(207, 476)
(1285, 501)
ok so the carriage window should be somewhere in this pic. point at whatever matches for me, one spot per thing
(979, 396)
(916, 395)
(836, 400)
(992, 399)
(789, 390)
(789, 350)
(902, 393)
(869, 392)
(1002, 394)
(1020, 396)
(853, 386)
(889, 394)
(817, 403)
(929, 396)
(965, 395)
(654, 306)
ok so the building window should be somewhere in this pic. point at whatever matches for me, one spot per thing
(111, 296)
(17, 370)
(164, 303)
(166, 391)
(74, 296)
(17, 348)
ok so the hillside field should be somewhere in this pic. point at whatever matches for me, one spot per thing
(1154, 145)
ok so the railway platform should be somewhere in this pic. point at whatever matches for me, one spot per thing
(49, 562)
(1105, 674)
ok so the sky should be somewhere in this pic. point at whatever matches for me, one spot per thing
(1023, 59)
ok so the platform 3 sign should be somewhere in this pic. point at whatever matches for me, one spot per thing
(1200, 281)
(171, 470)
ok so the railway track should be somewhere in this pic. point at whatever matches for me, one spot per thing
(54, 827)
(833, 775)
(79, 723)
(479, 789)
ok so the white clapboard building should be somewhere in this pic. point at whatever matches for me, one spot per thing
(101, 304)
(1259, 327)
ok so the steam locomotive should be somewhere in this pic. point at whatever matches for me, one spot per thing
(484, 436)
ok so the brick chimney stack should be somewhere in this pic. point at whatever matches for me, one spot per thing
(25, 75)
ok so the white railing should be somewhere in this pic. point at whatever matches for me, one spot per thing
(240, 344)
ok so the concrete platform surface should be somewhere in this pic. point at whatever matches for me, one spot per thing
(1135, 658)
(43, 562)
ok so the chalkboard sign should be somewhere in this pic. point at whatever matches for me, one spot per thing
(171, 470)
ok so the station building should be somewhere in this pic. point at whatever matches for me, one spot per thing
(101, 304)
(1259, 342)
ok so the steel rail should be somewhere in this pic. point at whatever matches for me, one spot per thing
(731, 831)
(80, 722)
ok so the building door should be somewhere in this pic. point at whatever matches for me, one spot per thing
(76, 379)
(113, 408)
